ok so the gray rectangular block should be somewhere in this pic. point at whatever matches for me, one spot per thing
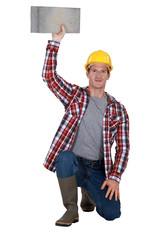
(49, 19)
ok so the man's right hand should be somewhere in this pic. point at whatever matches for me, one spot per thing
(58, 36)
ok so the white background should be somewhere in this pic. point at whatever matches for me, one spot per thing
(30, 199)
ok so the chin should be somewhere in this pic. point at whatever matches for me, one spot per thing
(99, 87)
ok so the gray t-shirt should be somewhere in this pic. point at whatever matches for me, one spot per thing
(88, 142)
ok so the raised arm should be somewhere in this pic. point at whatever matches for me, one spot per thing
(61, 88)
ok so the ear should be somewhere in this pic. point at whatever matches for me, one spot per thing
(108, 76)
(87, 73)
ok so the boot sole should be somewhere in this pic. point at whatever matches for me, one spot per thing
(88, 209)
(66, 224)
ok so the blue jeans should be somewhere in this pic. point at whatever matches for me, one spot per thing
(90, 175)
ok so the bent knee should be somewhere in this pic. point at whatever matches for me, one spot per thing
(111, 216)
(65, 157)
(65, 164)
(111, 212)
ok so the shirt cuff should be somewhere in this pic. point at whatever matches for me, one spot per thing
(115, 176)
(53, 43)
(117, 179)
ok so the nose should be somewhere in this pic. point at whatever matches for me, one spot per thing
(98, 74)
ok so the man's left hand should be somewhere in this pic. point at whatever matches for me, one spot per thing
(113, 188)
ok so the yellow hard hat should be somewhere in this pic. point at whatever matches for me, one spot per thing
(99, 57)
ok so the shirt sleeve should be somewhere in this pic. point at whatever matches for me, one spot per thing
(61, 88)
(122, 147)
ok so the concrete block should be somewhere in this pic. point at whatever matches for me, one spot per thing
(49, 19)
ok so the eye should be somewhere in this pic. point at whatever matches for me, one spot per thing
(94, 70)
(104, 71)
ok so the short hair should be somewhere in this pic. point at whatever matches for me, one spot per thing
(89, 67)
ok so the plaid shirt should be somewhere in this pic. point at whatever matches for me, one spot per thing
(75, 100)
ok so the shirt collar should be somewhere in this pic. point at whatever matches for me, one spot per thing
(110, 99)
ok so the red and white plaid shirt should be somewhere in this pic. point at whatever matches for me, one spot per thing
(75, 100)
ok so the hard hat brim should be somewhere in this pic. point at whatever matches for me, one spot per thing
(89, 65)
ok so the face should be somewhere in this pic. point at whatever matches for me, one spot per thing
(98, 75)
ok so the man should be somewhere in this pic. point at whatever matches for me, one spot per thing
(81, 149)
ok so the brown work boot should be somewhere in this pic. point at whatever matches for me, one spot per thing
(87, 203)
(68, 187)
